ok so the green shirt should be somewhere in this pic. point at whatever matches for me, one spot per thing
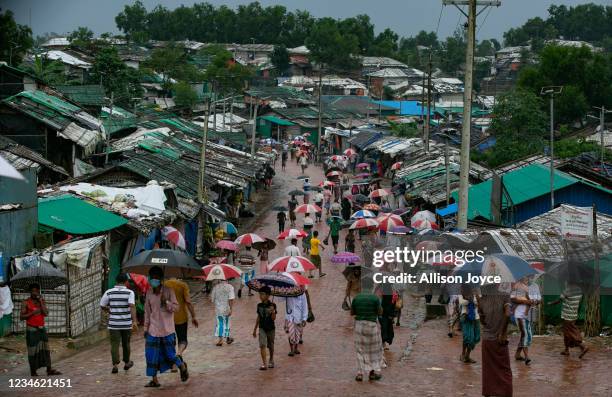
(334, 226)
(366, 306)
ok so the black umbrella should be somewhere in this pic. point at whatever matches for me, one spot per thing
(279, 284)
(174, 263)
(302, 177)
(360, 270)
(360, 198)
(296, 193)
(45, 274)
(267, 245)
(280, 208)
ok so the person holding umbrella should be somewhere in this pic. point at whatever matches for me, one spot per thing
(160, 337)
(34, 311)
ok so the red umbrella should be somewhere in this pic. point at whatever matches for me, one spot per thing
(248, 239)
(141, 282)
(219, 271)
(423, 220)
(388, 221)
(174, 236)
(334, 173)
(226, 245)
(396, 166)
(365, 223)
(297, 278)
(379, 193)
(291, 264)
(291, 234)
(350, 152)
(307, 209)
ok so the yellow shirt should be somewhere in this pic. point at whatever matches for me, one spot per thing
(314, 246)
(181, 290)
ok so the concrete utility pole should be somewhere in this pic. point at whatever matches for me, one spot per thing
(602, 129)
(428, 119)
(319, 122)
(464, 172)
(552, 91)
(201, 193)
(112, 100)
(254, 132)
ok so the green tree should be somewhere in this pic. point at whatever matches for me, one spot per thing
(330, 46)
(117, 78)
(133, 22)
(385, 44)
(49, 71)
(185, 96)
(404, 130)
(452, 53)
(225, 74)
(280, 59)
(15, 39)
(81, 37)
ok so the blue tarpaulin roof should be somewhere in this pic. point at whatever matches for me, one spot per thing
(446, 211)
(406, 108)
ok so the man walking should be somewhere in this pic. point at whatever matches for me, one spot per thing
(295, 321)
(570, 298)
(366, 308)
(160, 338)
(119, 302)
(293, 249)
(222, 296)
(494, 311)
(181, 316)
(335, 224)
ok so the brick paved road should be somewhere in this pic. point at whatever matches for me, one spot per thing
(326, 366)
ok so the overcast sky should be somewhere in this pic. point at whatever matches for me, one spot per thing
(406, 17)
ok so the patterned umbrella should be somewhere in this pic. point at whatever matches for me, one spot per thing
(396, 166)
(228, 228)
(423, 220)
(307, 209)
(248, 239)
(291, 234)
(345, 257)
(379, 193)
(47, 276)
(334, 173)
(291, 264)
(172, 235)
(371, 207)
(350, 152)
(388, 221)
(280, 285)
(363, 214)
(400, 211)
(509, 267)
(363, 165)
(226, 245)
(399, 230)
(297, 278)
(217, 259)
(174, 263)
(219, 272)
(364, 224)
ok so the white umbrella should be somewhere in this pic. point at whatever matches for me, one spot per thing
(7, 170)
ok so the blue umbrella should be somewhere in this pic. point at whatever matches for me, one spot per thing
(228, 228)
(361, 214)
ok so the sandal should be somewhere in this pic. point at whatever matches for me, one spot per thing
(262, 368)
(152, 384)
(184, 373)
(359, 378)
(271, 365)
(585, 351)
(219, 344)
(229, 341)
(527, 361)
(375, 376)
(56, 372)
(291, 354)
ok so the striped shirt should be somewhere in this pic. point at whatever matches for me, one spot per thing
(571, 302)
(118, 299)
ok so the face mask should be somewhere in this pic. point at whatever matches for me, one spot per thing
(154, 282)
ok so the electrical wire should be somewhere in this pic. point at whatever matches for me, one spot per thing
(484, 20)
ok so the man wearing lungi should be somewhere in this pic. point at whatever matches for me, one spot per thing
(160, 337)
(295, 321)
(366, 308)
(494, 311)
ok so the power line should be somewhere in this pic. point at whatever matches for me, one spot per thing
(484, 20)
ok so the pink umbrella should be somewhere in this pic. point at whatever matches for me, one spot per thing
(327, 183)
(365, 223)
(363, 165)
(386, 222)
(334, 173)
(248, 239)
(220, 271)
(297, 278)
(291, 234)
(291, 264)
(226, 245)
(307, 209)
(379, 193)
(174, 236)
(363, 175)
(396, 166)
(345, 257)
(350, 152)
(423, 220)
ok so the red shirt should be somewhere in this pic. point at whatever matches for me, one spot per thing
(37, 320)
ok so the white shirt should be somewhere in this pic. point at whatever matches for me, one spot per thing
(297, 309)
(308, 221)
(318, 198)
(292, 250)
(118, 300)
(303, 160)
(221, 295)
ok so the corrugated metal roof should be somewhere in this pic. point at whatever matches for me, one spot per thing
(276, 120)
(23, 157)
(86, 95)
(365, 138)
(71, 215)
